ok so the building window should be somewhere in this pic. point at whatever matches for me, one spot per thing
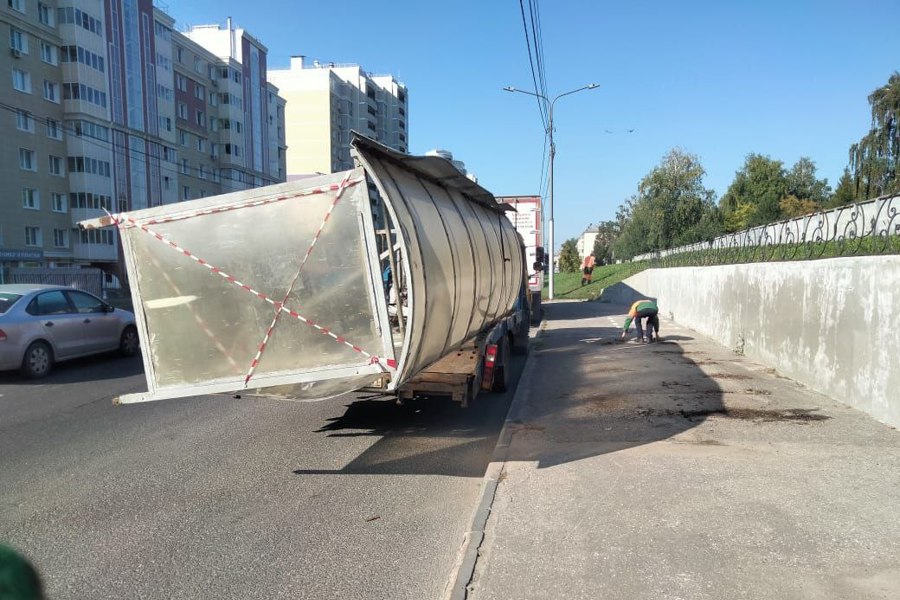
(182, 137)
(33, 237)
(162, 31)
(49, 54)
(56, 166)
(199, 92)
(18, 5)
(97, 236)
(51, 91)
(54, 131)
(60, 238)
(31, 199)
(200, 118)
(18, 40)
(86, 164)
(179, 54)
(45, 15)
(201, 144)
(83, 56)
(201, 173)
(58, 203)
(21, 80)
(75, 16)
(185, 166)
(181, 82)
(24, 121)
(213, 99)
(27, 160)
(182, 111)
(185, 193)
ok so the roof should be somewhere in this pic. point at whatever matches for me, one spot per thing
(435, 168)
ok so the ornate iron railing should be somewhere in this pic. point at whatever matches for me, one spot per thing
(871, 227)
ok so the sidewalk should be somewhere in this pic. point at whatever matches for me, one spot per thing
(681, 470)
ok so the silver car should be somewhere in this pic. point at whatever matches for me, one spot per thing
(44, 324)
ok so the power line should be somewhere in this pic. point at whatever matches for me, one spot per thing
(538, 38)
(531, 61)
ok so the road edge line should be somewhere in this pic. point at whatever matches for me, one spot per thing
(464, 568)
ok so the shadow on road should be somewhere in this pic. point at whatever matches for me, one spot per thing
(588, 394)
(432, 436)
(79, 370)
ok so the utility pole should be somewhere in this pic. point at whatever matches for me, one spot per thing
(549, 132)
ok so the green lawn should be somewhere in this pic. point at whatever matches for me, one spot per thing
(568, 285)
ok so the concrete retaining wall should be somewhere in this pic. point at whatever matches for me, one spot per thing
(824, 323)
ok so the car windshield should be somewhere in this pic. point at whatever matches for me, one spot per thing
(6, 300)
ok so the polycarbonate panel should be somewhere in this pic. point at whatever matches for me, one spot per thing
(434, 230)
(209, 298)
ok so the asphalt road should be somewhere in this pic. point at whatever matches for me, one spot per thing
(218, 497)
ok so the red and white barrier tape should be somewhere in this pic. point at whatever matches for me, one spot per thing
(118, 219)
(279, 306)
(122, 221)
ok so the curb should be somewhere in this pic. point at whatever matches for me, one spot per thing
(464, 569)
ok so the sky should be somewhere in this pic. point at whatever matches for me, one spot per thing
(720, 80)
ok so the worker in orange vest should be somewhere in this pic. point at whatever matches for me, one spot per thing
(587, 268)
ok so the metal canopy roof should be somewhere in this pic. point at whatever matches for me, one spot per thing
(434, 168)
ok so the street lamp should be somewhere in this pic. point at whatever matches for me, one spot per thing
(550, 104)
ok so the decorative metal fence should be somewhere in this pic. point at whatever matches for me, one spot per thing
(865, 228)
(90, 280)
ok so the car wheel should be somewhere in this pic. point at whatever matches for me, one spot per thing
(38, 360)
(129, 343)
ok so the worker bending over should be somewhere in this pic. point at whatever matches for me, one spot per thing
(587, 268)
(640, 310)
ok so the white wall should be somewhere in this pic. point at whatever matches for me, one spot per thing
(829, 324)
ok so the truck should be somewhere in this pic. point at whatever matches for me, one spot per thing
(526, 217)
(400, 275)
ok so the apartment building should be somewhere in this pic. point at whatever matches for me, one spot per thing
(326, 101)
(585, 243)
(109, 108)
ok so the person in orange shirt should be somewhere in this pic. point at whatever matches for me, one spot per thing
(587, 268)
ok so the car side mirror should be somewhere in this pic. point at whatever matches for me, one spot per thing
(537, 266)
(108, 308)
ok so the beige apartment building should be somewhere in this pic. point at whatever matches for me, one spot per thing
(326, 101)
(105, 112)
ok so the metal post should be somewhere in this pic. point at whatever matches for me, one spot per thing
(550, 104)
(550, 222)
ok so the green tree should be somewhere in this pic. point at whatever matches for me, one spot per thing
(845, 193)
(755, 193)
(633, 220)
(672, 208)
(675, 196)
(569, 261)
(607, 233)
(791, 206)
(874, 159)
(802, 183)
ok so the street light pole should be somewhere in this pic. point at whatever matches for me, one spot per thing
(550, 104)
